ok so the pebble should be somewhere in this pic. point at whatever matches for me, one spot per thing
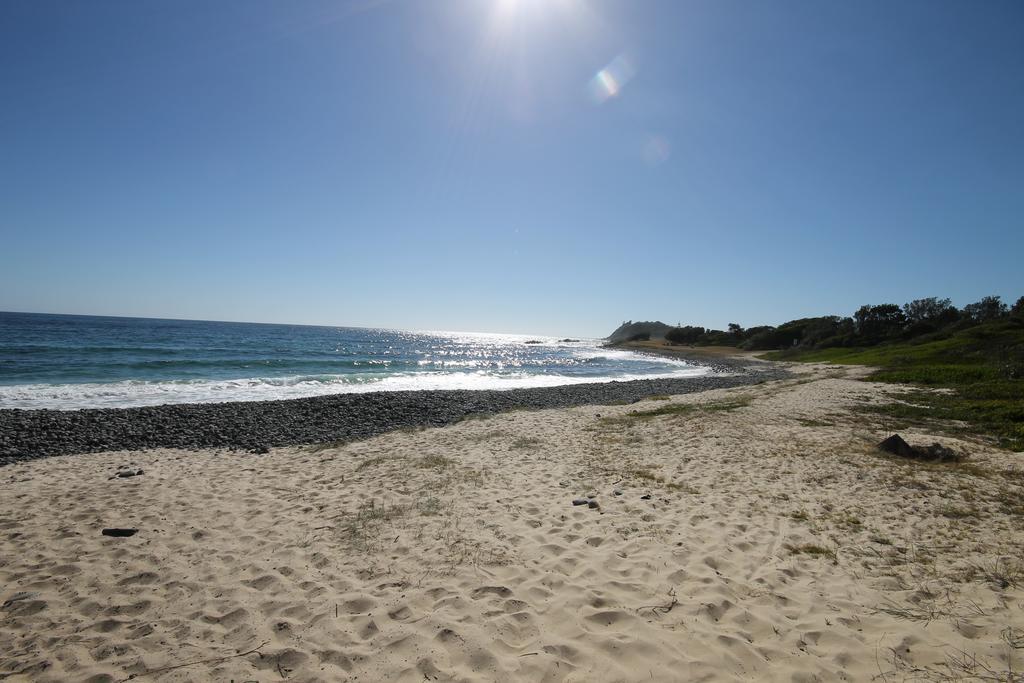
(257, 426)
(580, 501)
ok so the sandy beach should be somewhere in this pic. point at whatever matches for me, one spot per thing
(750, 533)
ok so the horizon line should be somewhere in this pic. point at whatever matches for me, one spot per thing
(255, 322)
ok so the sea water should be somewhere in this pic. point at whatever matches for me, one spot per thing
(70, 361)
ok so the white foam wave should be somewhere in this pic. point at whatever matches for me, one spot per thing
(624, 356)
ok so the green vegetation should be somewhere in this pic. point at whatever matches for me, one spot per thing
(648, 477)
(362, 528)
(982, 366)
(727, 406)
(434, 461)
(868, 326)
(976, 353)
(429, 507)
(806, 422)
(638, 331)
(372, 462)
(954, 512)
(644, 474)
(813, 550)
(1001, 572)
(681, 409)
(669, 409)
(527, 443)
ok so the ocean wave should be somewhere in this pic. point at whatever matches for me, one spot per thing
(161, 368)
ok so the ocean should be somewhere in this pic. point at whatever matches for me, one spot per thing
(69, 362)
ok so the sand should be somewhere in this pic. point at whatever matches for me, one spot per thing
(757, 536)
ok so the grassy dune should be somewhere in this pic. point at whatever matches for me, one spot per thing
(982, 367)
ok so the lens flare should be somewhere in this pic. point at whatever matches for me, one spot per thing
(609, 81)
(656, 150)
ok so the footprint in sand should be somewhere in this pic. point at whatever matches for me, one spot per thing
(484, 591)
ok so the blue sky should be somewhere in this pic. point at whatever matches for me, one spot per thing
(450, 165)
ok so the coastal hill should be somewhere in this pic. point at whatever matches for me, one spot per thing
(638, 331)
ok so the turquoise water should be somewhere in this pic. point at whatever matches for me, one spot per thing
(66, 362)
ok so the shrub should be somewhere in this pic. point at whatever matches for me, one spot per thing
(931, 310)
(717, 338)
(1017, 310)
(989, 308)
(878, 322)
(687, 334)
(767, 339)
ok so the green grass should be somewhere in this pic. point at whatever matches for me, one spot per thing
(813, 550)
(434, 461)
(648, 477)
(726, 406)
(669, 409)
(363, 527)
(955, 512)
(527, 443)
(429, 507)
(983, 365)
(681, 409)
(372, 462)
(813, 423)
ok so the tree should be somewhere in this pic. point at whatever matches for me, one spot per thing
(817, 330)
(989, 308)
(688, 334)
(766, 337)
(1018, 308)
(879, 321)
(735, 331)
(926, 310)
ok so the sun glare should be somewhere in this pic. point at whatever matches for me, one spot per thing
(513, 6)
(511, 9)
